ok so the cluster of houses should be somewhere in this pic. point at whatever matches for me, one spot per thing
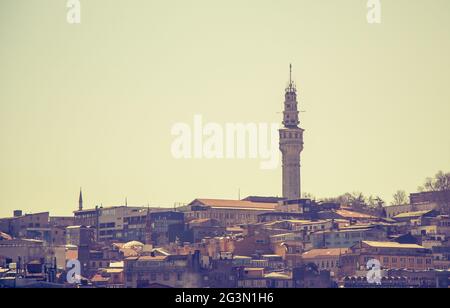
(256, 242)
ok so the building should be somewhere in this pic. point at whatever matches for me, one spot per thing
(393, 210)
(115, 223)
(111, 277)
(252, 245)
(79, 236)
(401, 278)
(19, 224)
(87, 218)
(38, 226)
(62, 221)
(122, 223)
(53, 235)
(277, 216)
(441, 222)
(220, 273)
(291, 143)
(172, 271)
(22, 251)
(430, 200)
(309, 276)
(304, 226)
(348, 236)
(441, 257)
(415, 218)
(199, 229)
(328, 259)
(79, 240)
(227, 212)
(257, 278)
(391, 255)
(166, 227)
(302, 206)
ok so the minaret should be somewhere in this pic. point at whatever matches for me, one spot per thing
(80, 201)
(291, 143)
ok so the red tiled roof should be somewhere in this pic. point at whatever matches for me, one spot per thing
(352, 214)
(99, 278)
(72, 254)
(331, 252)
(128, 252)
(238, 204)
(150, 258)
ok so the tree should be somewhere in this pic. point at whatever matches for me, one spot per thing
(400, 198)
(357, 199)
(375, 202)
(440, 185)
(440, 182)
(307, 195)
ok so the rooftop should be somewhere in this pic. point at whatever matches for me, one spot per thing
(327, 252)
(392, 245)
(352, 214)
(304, 221)
(275, 275)
(412, 214)
(149, 258)
(236, 204)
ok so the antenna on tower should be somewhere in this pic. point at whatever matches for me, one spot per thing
(290, 73)
(291, 87)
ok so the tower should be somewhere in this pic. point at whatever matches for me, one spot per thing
(291, 143)
(80, 201)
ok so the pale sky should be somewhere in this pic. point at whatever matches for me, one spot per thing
(93, 104)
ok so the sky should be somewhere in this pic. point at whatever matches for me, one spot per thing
(92, 105)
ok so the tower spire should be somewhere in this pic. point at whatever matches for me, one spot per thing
(291, 87)
(290, 73)
(291, 143)
(80, 201)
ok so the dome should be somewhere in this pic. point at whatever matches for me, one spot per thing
(133, 245)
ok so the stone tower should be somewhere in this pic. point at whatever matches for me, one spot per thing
(291, 143)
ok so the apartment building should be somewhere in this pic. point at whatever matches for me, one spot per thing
(227, 212)
(391, 255)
